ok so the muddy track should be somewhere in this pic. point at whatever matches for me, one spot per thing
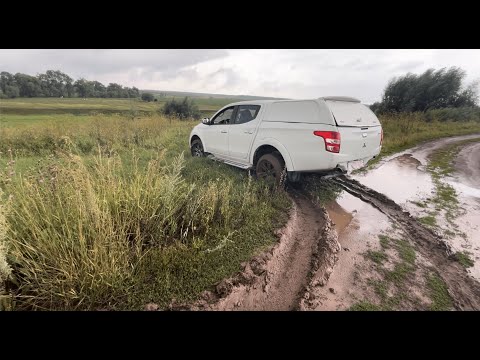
(464, 290)
(278, 279)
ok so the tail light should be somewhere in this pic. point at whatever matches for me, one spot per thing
(332, 140)
(381, 138)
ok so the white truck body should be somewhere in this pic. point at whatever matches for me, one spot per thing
(300, 130)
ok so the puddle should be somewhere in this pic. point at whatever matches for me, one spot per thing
(349, 212)
(358, 225)
(401, 179)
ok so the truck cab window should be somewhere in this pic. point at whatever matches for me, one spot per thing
(224, 117)
(246, 113)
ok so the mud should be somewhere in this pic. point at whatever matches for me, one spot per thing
(464, 290)
(467, 165)
(401, 179)
(346, 284)
(279, 278)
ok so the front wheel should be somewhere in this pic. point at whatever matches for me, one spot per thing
(197, 148)
(270, 167)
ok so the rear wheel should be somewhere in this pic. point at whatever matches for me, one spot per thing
(197, 148)
(270, 167)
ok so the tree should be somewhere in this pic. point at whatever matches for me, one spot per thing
(430, 90)
(29, 86)
(182, 109)
(84, 88)
(55, 83)
(147, 97)
(114, 90)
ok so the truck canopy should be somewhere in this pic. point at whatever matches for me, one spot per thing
(301, 111)
(351, 113)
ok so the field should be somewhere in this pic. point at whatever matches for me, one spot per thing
(20, 109)
(102, 209)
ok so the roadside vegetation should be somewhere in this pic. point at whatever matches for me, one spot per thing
(109, 213)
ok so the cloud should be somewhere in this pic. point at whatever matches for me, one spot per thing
(291, 73)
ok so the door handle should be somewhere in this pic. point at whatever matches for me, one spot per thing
(248, 132)
(223, 131)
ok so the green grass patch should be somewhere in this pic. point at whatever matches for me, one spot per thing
(399, 273)
(420, 204)
(464, 258)
(428, 220)
(441, 300)
(385, 241)
(406, 251)
(378, 257)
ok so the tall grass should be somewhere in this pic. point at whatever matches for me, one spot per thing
(5, 269)
(402, 131)
(134, 224)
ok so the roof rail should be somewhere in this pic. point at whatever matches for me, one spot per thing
(340, 98)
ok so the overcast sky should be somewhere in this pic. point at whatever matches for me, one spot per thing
(279, 73)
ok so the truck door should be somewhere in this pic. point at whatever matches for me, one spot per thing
(216, 135)
(242, 131)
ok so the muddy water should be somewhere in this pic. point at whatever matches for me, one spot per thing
(358, 225)
(404, 179)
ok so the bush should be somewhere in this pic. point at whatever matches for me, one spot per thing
(181, 109)
(147, 97)
(453, 114)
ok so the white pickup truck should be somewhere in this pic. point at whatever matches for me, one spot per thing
(330, 135)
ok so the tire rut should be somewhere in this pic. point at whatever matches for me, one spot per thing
(464, 290)
(279, 279)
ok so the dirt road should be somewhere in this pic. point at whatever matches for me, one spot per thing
(404, 179)
(467, 165)
(371, 249)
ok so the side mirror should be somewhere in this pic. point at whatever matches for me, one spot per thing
(206, 121)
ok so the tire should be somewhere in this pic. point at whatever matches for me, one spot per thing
(294, 176)
(197, 148)
(270, 167)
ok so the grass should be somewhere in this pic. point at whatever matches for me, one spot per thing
(112, 213)
(441, 300)
(391, 281)
(384, 241)
(378, 257)
(429, 220)
(16, 110)
(464, 259)
(420, 204)
(406, 252)
(395, 281)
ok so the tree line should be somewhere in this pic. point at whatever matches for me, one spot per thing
(54, 83)
(434, 89)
